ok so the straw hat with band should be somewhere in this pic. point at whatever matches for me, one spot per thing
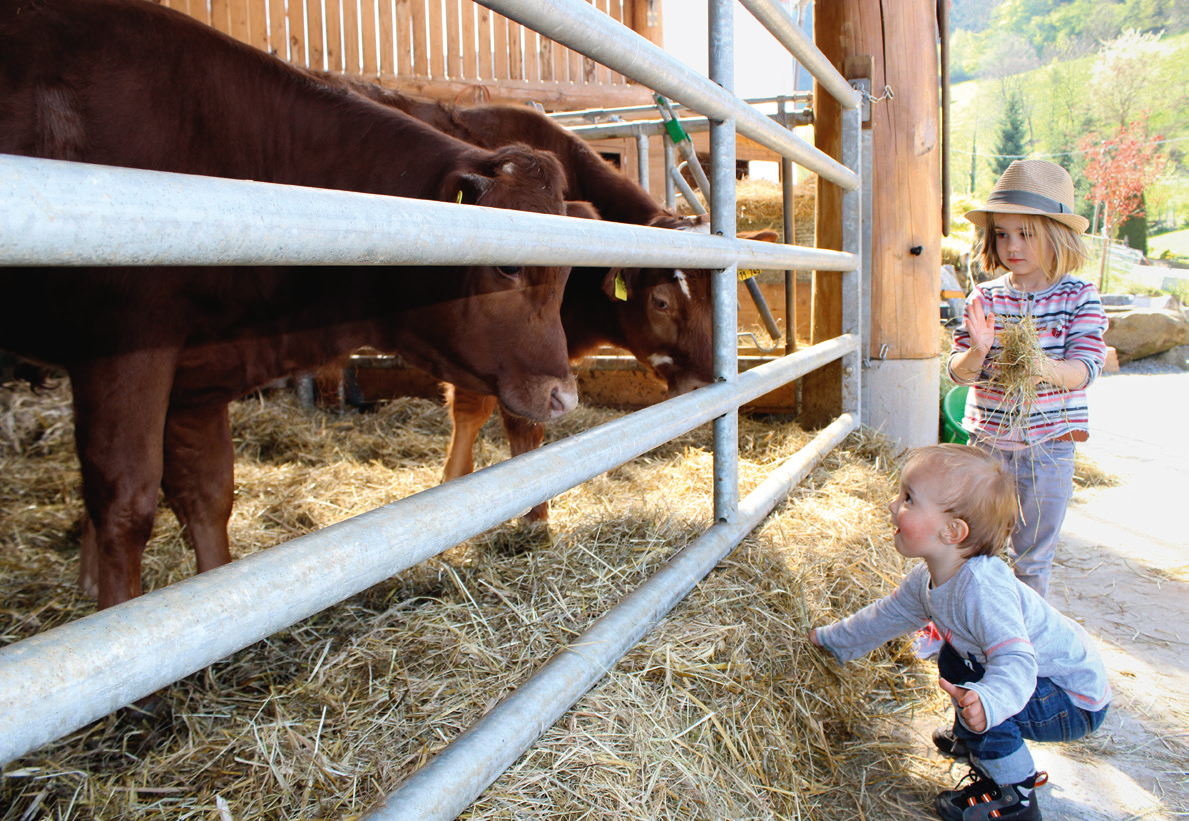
(1032, 187)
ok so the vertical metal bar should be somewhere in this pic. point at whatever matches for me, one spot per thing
(790, 277)
(725, 289)
(670, 162)
(642, 159)
(852, 242)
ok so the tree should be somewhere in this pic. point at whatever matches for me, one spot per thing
(1120, 168)
(1012, 142)
(1122, 81)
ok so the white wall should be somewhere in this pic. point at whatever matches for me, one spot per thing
(763, 67)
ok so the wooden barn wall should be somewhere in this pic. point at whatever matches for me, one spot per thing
(447, 49)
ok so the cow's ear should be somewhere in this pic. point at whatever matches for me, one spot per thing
(619, 283)
(470, 188)
(582, 210)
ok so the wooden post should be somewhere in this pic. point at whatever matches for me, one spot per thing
(905, 211)
(644, 18)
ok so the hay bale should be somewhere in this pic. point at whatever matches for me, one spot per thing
(724, 711)
(759, 206)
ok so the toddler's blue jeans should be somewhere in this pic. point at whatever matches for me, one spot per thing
(1050, 715)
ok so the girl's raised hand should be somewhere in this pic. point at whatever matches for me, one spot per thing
(980, 324)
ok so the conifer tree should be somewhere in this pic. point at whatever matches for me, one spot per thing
(1012, 142)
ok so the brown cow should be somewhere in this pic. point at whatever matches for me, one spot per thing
(662, 316)
(155, 355)
(588, 176)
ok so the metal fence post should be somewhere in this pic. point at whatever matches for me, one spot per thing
(722, 222)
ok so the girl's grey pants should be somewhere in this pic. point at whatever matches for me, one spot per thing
(1044, 482)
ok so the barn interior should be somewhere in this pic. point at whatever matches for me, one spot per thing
(725, 711)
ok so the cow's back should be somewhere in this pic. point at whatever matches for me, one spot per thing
(133, 84)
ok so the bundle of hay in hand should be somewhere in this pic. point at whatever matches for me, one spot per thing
(1019, 367)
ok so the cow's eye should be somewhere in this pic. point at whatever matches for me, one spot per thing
(660, 303)
(511, 271)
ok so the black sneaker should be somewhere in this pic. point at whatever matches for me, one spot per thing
(949, 744)
(983, 799)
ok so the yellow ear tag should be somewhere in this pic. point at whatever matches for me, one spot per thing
(621, 288)
(747, 273)
(458, 199)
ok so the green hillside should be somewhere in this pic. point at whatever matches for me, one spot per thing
(1067, 99)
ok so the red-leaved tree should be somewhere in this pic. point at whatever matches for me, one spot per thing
(1119, 169)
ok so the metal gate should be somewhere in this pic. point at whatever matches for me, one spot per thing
(58, 213)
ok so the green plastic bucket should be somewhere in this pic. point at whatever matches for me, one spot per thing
(953, 406)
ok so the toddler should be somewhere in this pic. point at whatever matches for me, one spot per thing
(1014, 667)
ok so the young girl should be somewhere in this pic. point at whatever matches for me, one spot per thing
(1031, 233)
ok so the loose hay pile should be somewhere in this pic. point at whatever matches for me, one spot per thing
(724, 711)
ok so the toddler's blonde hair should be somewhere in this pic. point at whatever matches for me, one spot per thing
(980, 492)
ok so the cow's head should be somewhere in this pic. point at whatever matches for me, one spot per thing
(504, 336)
(666, 313)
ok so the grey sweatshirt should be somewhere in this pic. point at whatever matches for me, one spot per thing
(987, 615)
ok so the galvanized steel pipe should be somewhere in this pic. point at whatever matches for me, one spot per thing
(583, 28)
(653, 128)
(62, 213)
(784, 28)
(453, 779)
(128, 651)
(721, 196)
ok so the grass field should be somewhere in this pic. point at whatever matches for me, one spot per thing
(1175, 241)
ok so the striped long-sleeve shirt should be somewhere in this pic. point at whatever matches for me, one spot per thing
(1070, 324)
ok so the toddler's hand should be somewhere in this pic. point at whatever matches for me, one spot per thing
(813, 639)
(970, 705)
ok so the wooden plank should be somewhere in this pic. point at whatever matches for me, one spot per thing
(453, 44)
(437, 44)
(368, 26)
(386, 34)
(258, 23)
(200, 10)
(532, 57)
(315, 35)
(561, 63)
(553, 96)
(615, 10)
(574, 68)
(483, 42)
(278, 37)
(350, 26)
(239, 26)
(333, 45)
(515, 52)
(499, 43)
(466, 43)
(297, 37)
(420, 41)
(221, 15)
(545, 59)
(646, 19)
(403, 17)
